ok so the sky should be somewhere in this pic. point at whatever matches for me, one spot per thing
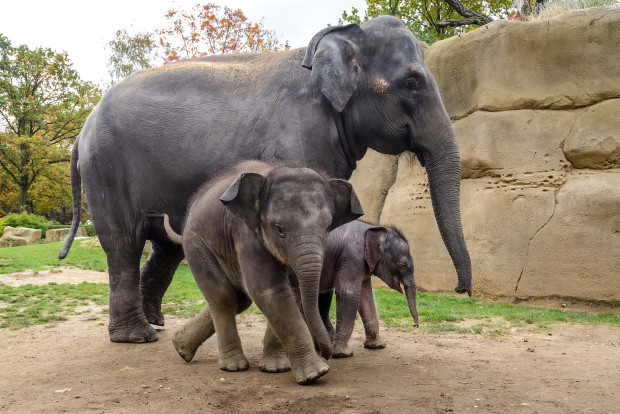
(83, 28)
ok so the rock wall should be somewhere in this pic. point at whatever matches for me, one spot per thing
(536, 109)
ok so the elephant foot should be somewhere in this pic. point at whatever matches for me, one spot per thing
(152, 311)
(235, 363)
(376, 343)
(185, 350)
(310, 370)
(136, 334)
(275, 362)
(342, 351)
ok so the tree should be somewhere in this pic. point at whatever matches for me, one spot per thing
(130, 53)
(43, 106)
(427, 19)
(207, 30)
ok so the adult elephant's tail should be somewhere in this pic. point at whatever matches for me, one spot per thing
(76, 194)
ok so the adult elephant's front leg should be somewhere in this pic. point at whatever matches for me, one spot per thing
(155, 277)
(127, 320)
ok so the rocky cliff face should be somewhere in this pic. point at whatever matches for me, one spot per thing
(536, 109)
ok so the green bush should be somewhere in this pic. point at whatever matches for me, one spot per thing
(31, 221)
(90, 230)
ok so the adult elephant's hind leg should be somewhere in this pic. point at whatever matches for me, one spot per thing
(127, 320)
(156, 275)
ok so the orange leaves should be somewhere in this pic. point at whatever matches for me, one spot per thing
(208, 29)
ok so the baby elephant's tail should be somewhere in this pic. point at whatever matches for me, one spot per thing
(172, 235)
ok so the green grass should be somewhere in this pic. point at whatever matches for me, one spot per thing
(45, 256)
(438, 312)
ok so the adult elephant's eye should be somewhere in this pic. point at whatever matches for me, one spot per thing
(411, 83)
(280, 230)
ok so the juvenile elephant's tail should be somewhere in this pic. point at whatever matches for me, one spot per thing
(76, 194)
(172, 235)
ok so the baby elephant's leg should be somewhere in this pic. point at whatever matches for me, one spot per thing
(274, 358)
(224, 301)
(190, 336)
(370, 318)
(347, 303)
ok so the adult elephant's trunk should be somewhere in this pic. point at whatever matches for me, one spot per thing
(306, 258)
(410, 291)
(443, 167)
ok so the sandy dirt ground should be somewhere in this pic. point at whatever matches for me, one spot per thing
(73, 367)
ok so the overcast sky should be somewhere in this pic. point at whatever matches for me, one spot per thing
(82, 28)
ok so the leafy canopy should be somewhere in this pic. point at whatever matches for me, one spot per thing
(43, 106)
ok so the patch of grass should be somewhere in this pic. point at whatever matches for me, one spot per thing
(34, 305)
(448, 312)
(45, 256)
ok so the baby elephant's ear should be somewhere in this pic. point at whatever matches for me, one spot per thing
(373, 246)
(347, 206)
(241, 198)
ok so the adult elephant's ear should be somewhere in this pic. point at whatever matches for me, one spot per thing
(333, 55)
(241, 198)
(347, 206)
(373, 246)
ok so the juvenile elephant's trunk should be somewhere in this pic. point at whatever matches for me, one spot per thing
(410, 291)
(306, 258)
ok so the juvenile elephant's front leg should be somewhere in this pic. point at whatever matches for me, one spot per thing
(268, 286)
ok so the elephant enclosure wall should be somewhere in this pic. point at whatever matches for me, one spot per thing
(536, 109)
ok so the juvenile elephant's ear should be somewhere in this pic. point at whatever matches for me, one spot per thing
(333, 55)
(347, 206)
(373, 246)
(241, 198)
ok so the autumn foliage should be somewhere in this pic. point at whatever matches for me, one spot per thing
(209, 29)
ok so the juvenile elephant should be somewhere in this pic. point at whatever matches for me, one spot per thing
(245, 232)
(356, 251)
(161, 133)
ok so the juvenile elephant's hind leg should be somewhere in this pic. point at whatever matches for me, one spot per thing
(224, 303)
(190, 336)
(155, 277)
(274, 357)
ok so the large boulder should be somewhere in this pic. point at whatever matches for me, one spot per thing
(19, 236)
(56, 235)
(594, 140)
(536, 110)
(568, 61)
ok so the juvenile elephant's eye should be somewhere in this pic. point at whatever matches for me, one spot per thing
(280, 230)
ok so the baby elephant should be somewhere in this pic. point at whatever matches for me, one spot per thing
(354, 253)
(245, 232)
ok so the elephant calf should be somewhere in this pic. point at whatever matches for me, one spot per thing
(356, 251)
(245, 233)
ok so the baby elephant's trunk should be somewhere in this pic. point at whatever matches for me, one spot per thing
(410, 291)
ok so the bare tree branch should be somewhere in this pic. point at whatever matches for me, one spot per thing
(471, 17)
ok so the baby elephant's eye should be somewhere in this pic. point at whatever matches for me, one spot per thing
(402, 266)
(280, 230)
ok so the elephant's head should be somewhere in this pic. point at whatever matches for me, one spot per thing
(387, 255)
(384, 97)
(291, 210)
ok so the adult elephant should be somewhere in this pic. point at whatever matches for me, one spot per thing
(160, 133)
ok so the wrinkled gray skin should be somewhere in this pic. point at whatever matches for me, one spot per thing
(158, 135)
(354, 253)
(246, 232)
